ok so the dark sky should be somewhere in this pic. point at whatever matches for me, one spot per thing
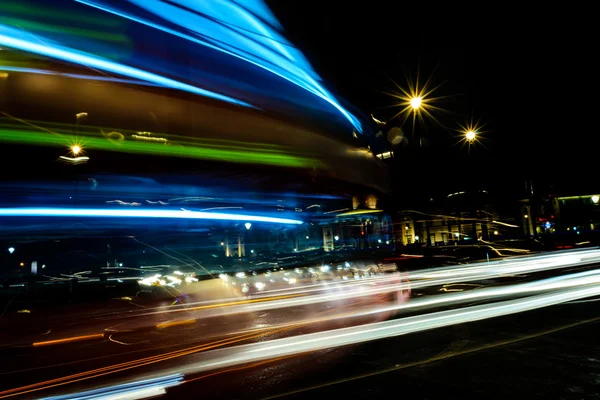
(527, 72)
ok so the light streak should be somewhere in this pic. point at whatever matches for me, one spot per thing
(134, 390)
(226, 152)
(258, 44)
(138, 213)
(18, 39)
(76, 76)
(225, 358)
(69, 340)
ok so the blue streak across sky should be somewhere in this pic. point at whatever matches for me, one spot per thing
(245, 31)
(137, 213)
(18, 39)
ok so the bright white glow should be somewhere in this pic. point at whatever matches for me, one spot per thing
(470, 135)
(336, 237)
(138, 213)
(307, 237)
(190, 279)
(252, 251)
(325, 268)
(378, 240)
(120, 264)
(456, 234)
(415, 102)
(11, 250)
(417, 237)
(259, 285)
(75, 150)
(178, 272)
(240, 275)
(595, 199)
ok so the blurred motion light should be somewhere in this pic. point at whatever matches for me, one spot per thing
(595, 199)
(11, 250)
(139, 213)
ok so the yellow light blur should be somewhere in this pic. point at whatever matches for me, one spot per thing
(470, 134)
(415, 102)
(75, 149)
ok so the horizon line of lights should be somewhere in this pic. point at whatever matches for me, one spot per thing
(137, 213)
(18, 39)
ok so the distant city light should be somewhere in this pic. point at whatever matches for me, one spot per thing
(336, 237)
(252, 251)
(222, 243)
(307, 237)
(11, 250)
(248, 225)
(495, 232)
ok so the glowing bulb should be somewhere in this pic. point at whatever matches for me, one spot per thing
(470, 135)
(415, 102)
(595, 199)
(75, 149)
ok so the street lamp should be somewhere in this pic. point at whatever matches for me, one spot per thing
(415, 102)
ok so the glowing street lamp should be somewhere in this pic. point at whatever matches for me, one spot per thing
(470, 135)
(415, 102)
(75, 149)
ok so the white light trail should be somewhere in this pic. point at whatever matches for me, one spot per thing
(346, 336)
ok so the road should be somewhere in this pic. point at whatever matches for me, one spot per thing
(320, 339)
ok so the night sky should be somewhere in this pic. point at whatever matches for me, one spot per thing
(527, 73)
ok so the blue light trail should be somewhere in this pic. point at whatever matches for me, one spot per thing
(18, 39)
(120, 213)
